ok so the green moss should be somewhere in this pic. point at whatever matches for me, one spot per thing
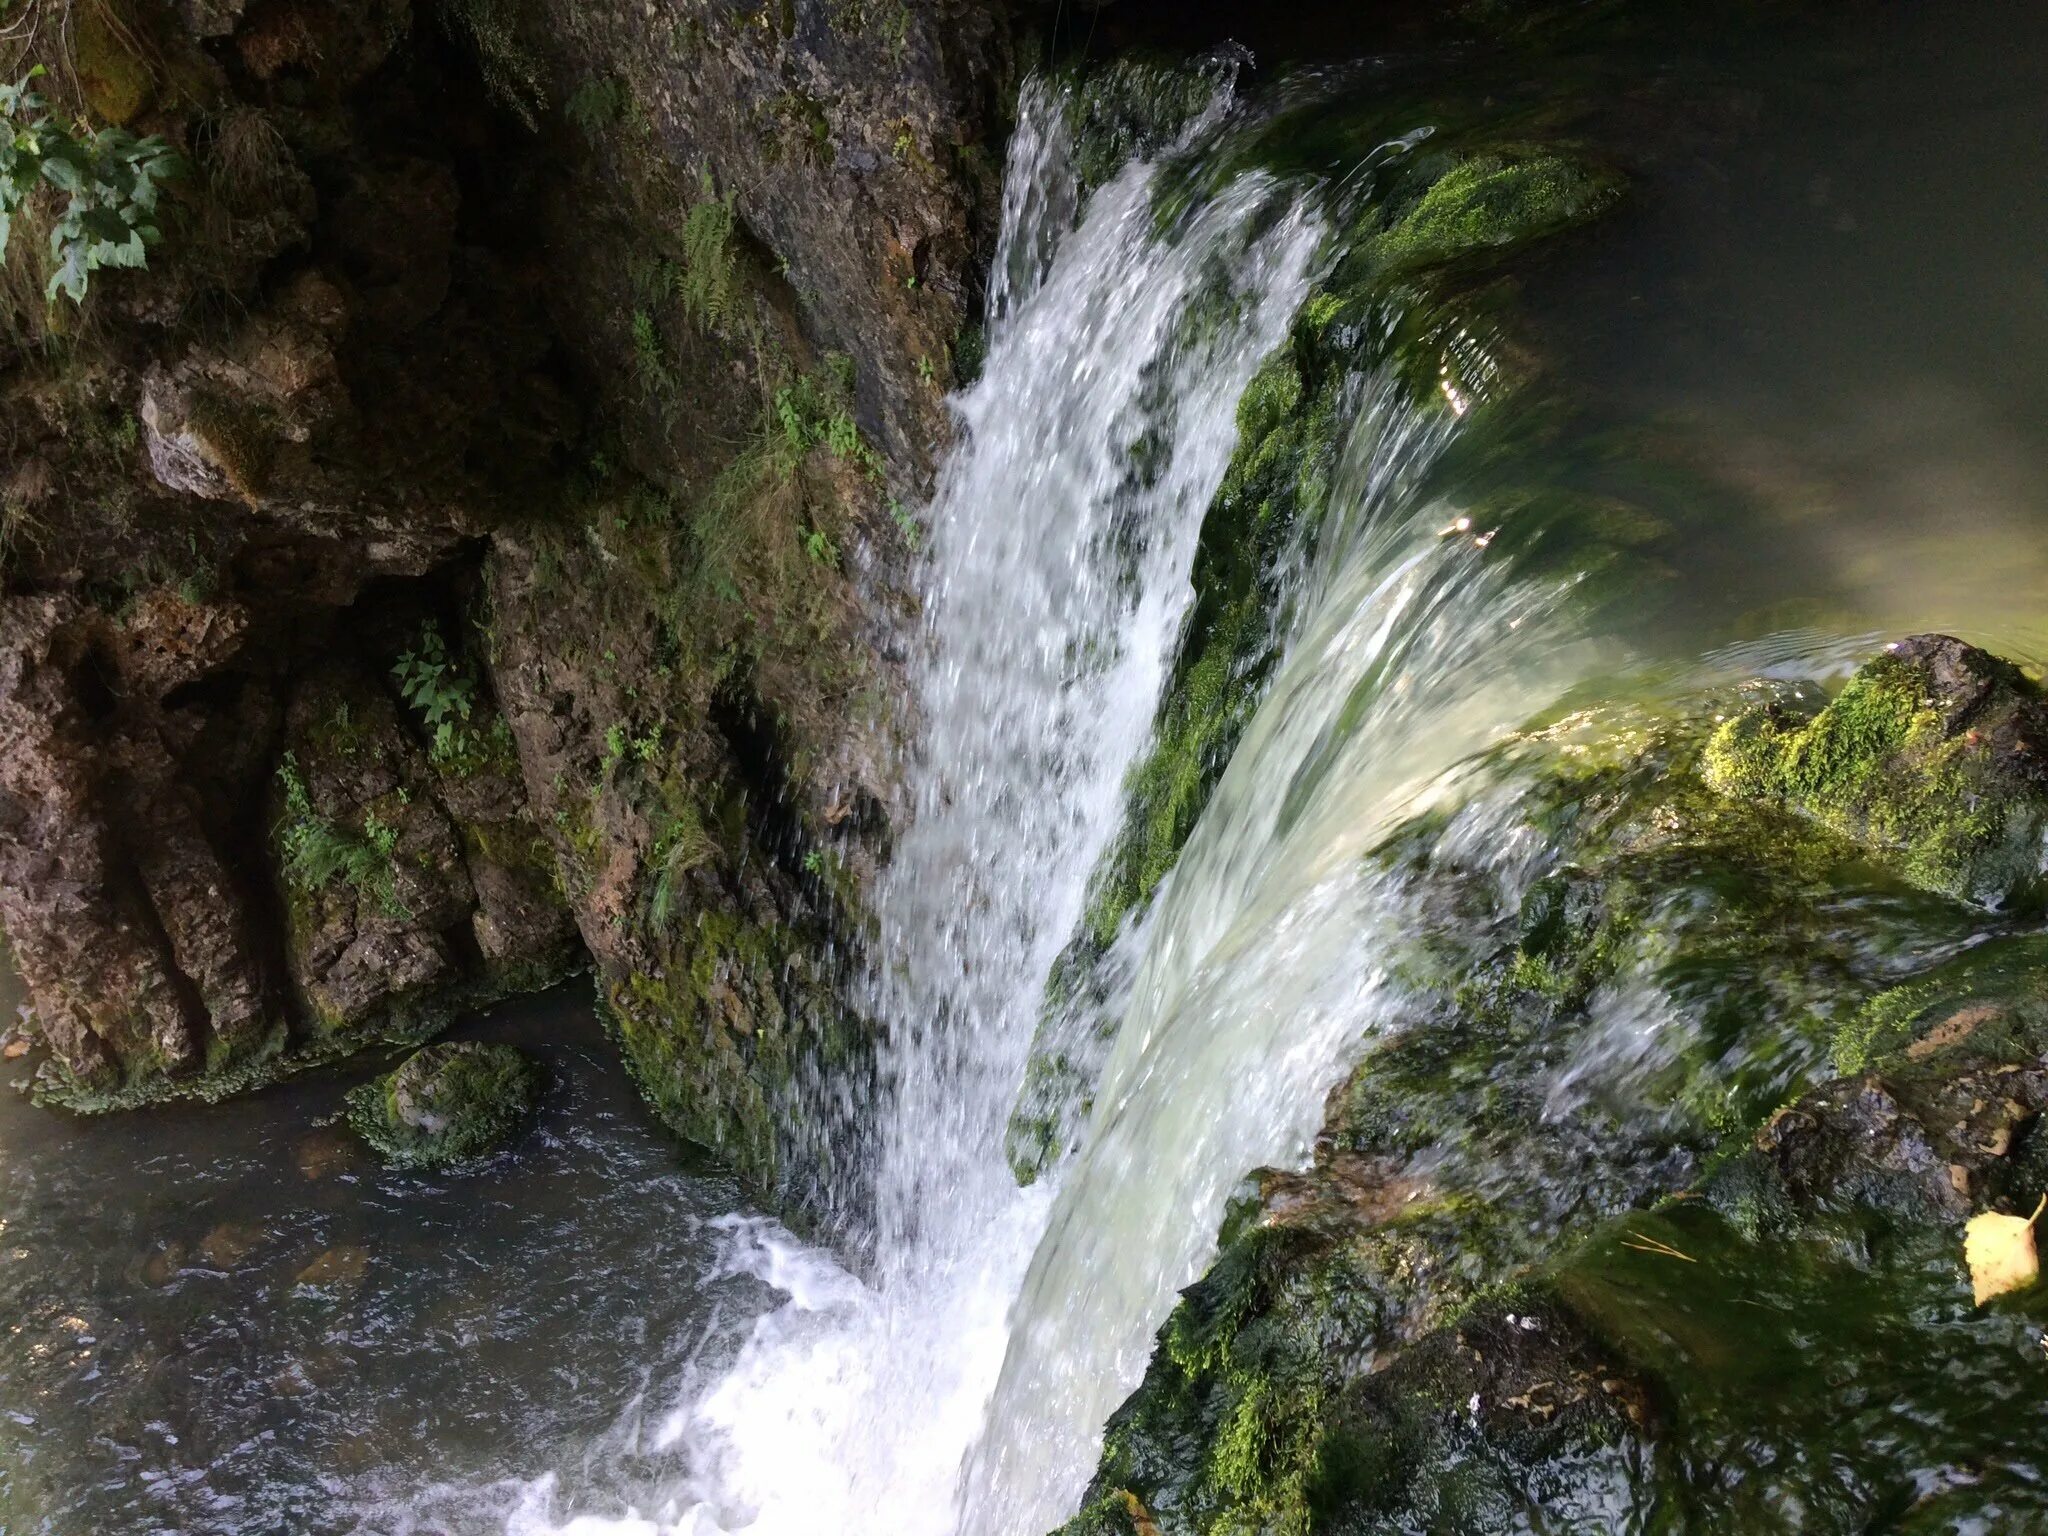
(1134, 106)
(1881, 765)
(445, 1104)
(237, 438)
(113, 74)
(1491, 201)
(715, 1039)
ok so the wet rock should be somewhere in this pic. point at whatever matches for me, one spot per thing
(322, 1154)
(163, 1263)
(1537, 1275)
(372, 866)
(229, 1244)
(81, 928)
(445, 1104)
(1935, 755)
(335, 1273)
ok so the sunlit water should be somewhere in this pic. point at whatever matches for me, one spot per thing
(581, 1339)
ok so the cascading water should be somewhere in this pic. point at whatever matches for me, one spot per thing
(962, 1386)
(1059, 576)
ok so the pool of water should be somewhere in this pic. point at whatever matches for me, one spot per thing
(230, 1319)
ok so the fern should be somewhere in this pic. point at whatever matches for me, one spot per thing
(315, 852)
(682, 847)
(707, 281)
(595, 105)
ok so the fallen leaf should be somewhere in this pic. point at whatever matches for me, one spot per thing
(2000, 1252)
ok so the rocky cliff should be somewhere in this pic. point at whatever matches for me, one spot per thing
(471, 547)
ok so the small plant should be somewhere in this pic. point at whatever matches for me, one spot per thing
(810, 410)
(435, 684)
(682, 846)
(112, 179)
(595, 105)
(314, 852)
(707, 281)
(819, 546)
(657, 380)
(906, 523)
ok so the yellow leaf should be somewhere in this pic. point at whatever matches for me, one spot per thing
(2000, 1252)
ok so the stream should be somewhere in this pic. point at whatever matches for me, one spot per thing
(1814, 339)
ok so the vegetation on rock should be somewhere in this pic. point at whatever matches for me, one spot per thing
(1587, 1211)
(1933, 754)
(447, 1103)
(110, 181)
(1398, 304)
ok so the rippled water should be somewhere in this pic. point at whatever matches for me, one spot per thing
(230, 1320)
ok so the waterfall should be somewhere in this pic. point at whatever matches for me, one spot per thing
(961, 1382)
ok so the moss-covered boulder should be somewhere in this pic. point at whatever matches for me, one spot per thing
(1935, 755)
(445, 1104)
(1645, 1209)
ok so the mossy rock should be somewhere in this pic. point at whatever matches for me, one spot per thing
(1578, 1206)
(445, 1104)
(1935, 756)
(112, 72)
(1491, 201)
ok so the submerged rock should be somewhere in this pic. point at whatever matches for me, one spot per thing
(445, 1104)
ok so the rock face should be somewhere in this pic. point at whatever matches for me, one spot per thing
(591, 343)
(445, 1104)
(1701, 1100)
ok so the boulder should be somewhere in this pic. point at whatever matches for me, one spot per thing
(445, 1104)
(1935, 756)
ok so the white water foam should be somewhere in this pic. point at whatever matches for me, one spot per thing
(1063, 538)
(962, 1384)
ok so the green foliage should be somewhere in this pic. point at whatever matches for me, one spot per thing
(813, 409)
(822, 550)
(658, 382)
(314, 852)
(110, 177)
(681, 846)
(438, 686)
(708, 280)
(906, 524)
(596, 104)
